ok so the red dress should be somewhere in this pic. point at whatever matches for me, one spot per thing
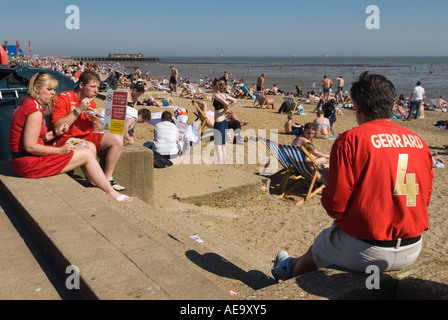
(32, 166)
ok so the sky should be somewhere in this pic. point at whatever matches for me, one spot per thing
(231, 28)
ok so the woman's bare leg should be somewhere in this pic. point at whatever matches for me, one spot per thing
(84, 158)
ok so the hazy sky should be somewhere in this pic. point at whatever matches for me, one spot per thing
(231, 28)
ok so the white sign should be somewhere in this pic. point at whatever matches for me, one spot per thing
(115, 112)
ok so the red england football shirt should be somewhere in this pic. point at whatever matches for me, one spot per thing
(380, 182)
(64, 104)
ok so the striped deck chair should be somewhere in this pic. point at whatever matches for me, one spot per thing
(272, 146)
(260, 100)
(298, 170)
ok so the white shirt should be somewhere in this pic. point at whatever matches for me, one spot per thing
(131, 113)
(418, 93)
(165, 138)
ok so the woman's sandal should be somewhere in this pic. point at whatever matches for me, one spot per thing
(124, 198)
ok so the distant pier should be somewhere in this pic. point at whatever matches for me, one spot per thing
(138, 57)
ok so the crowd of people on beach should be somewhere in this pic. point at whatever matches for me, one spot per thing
(349, 196)
(329, 103)
(229, 88)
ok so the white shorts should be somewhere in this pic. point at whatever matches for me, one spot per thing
(335, 247)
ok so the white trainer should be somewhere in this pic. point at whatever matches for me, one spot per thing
(280, 270)
(115, 185)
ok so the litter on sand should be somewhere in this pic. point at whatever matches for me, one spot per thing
(196, 238)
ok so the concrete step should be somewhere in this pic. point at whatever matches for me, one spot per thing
(22, 275)
(116, 258)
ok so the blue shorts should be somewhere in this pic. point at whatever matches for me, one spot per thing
(220, 132)
(296, 131)
(326, 89)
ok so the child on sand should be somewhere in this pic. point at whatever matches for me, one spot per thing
(292, 128)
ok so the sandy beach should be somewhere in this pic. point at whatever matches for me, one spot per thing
(260, 225)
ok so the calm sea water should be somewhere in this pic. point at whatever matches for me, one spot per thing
(307, 72)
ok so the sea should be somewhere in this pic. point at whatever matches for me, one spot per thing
(307, 72)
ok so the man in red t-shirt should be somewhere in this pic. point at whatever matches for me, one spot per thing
(71, 106)
(377, 190)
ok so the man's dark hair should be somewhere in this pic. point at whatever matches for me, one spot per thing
(145, 113)
(166, 116)
(88, 76)
(374, 95)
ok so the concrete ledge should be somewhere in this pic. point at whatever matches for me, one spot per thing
(134, 171)
(427, 279)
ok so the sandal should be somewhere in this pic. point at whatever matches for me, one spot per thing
(124, 198)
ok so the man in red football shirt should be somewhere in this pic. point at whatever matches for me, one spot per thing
(377, 190)
(70, 107)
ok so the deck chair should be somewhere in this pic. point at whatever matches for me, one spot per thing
(261, 101)
(293, 105)
(199, 93)
(186, 92)
(272, 146)
(298, 172)
(205, 122)
(246, 93)
(190, 91)
(435, 104)
(348, 100)
(158, 87)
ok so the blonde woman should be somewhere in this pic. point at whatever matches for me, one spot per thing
(222, 102)
(28, 135)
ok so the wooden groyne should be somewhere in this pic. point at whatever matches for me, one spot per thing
(116, 59)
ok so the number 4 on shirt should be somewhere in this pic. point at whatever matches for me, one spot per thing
(405, 184)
